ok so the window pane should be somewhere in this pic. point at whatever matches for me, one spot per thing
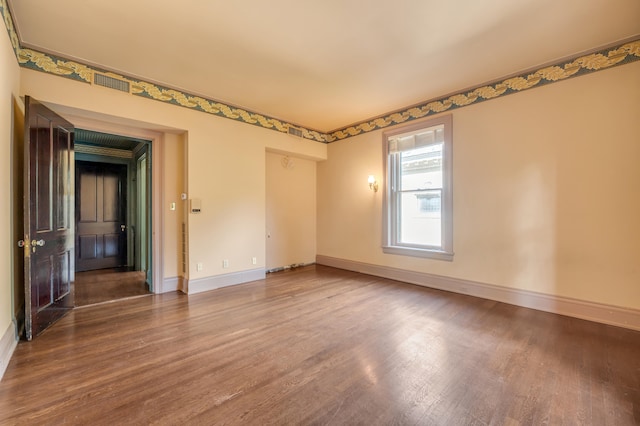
(421, 209)
(420, 218)
(421, 168)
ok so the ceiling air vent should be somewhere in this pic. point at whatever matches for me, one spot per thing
(295, 131)
(105, 80)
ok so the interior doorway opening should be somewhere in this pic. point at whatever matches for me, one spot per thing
(113, 217)
(44, 200)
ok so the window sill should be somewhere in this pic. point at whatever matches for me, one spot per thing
(417, 252)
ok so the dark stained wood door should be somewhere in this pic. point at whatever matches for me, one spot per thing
(49, 214)
(101, 215)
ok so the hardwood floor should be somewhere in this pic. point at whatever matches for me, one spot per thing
(105, 285)
(318, 345)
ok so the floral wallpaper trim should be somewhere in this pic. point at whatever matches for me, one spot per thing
(607, 58)
(604, 59)
(8, 23)
(51, 64)
(45, 62)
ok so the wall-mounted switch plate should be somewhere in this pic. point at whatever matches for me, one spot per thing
(225, 263)
(198, 266)
(172, 206)
(195, 205)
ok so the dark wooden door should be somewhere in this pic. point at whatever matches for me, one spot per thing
(100, 212)
(49, 215)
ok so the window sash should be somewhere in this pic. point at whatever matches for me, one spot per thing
(397, 230)
(413, 140)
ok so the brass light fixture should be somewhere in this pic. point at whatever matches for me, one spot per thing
(373, 184)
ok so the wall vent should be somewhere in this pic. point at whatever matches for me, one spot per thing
(295, 131)
(105, 80)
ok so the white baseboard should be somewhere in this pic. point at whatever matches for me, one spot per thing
(171, 284)
(8, 343)
(219, 281)
(606, 314)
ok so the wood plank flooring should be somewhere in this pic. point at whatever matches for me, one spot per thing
(319, 345)
(105, 285)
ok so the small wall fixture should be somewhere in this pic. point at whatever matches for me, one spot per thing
(287, 162)
(373, 184)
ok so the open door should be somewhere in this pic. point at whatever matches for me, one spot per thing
(49, 217)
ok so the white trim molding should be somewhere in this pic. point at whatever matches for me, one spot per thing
(218, 281)
(170, 284)
(419, 134)
(126, 127)
(8, 344)
(597, 312)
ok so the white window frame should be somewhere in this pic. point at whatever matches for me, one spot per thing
(391, 243)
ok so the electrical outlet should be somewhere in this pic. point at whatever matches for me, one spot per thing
(254, 260)
(198, 266)
(225, 263)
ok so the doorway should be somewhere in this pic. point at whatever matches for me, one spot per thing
(45, 194)
(112, 192)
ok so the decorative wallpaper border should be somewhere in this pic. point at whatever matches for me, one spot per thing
(8, 23)
(604, 59)
(45, 62)
(51, 64)
(607, 58)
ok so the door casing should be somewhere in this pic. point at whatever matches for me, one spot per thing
(156, 280)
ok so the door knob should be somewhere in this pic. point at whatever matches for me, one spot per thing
(35, 243)
(123, 227)
(21, 243)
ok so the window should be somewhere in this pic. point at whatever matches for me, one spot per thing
(418, 198)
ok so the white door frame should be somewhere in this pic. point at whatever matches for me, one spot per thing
(157, 183)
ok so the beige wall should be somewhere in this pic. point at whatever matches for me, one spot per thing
(546, 192)
(290, 210)
(226, 170)
(9, 87)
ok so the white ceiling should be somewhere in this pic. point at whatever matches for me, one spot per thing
(322, 64)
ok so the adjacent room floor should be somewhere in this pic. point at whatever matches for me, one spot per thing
(318, 345)
(106, 285)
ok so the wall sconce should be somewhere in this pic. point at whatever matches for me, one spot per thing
(373, 184)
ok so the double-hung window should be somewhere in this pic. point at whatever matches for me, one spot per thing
(418, 198)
